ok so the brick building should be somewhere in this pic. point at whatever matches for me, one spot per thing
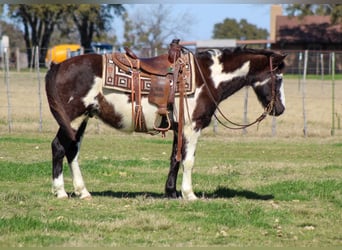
(314, 33)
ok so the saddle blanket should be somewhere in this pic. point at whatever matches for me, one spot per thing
(120, 78)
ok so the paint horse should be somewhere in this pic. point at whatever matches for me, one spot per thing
(75, 91)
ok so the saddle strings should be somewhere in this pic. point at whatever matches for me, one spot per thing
(132, 91)
(183, 63)
(267, 110)
(137, 114)
(178, 66)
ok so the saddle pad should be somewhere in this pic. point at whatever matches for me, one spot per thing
(120, 79)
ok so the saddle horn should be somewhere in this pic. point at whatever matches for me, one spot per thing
(174, 50)
(130, 53)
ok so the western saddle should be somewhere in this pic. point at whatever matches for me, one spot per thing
(158, 77)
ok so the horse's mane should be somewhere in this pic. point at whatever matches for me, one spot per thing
(236, 50)
(245, 50)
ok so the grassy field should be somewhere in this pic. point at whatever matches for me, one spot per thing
(264, 192)
(255, 189)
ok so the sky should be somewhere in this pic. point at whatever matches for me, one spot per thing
(207, 15)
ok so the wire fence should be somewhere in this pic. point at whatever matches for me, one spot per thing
(313, 89)
(319, 63)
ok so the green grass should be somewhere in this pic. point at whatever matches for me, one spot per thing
(253, 192)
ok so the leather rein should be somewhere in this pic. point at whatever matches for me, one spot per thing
(267, 110)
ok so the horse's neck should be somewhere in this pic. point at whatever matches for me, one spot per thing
(225, 88)
(231, 87)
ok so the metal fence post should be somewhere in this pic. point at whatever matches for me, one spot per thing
(9, 108)
(39, 89)
(333, 93)
(304, 91)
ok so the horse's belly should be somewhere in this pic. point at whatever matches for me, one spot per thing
(124, 108)
(121, 108)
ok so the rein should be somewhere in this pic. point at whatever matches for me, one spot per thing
(267, 110)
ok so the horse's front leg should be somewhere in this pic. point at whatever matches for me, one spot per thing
(191, 138)
(171, 182)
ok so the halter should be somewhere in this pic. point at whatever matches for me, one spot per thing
(267, 109)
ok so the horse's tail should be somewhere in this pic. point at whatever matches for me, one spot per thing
(55, 102)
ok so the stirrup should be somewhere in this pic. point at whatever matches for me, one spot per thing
(163, 129)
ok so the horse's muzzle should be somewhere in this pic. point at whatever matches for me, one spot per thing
(278, 109)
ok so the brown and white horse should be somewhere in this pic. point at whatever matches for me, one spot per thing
(75, 93)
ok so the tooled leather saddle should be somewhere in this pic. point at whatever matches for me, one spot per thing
(155, 77)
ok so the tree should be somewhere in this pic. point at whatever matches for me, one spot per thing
(15, 34)
(38, 23)
(153, 28)
(242, 30)
(40, 20)
(93, 20)
(301, 10)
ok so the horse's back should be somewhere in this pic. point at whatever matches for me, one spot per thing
(87, 63)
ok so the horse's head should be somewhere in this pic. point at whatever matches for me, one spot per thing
(267, 81)
(261, 69)
(229, 70)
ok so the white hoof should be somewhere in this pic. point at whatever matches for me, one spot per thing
(61, 195)
(190, 196)
(86, 197)
(84, 194)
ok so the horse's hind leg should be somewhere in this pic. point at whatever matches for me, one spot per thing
(62, 146)
(72, 156)
(58, 153)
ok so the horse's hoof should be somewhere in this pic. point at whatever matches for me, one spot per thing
(189, 197)
(85, 195)
(193, 198)
(63, 197)
(86, 198)
(173, 195)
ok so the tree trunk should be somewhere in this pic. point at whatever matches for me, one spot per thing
(86, 31)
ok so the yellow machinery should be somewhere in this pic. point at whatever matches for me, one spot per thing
(61, 52)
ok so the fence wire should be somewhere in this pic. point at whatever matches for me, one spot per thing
(314, 103)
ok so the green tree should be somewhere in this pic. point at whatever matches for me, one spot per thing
(301, 10)
(241, 30)
(129, 36)
(38, 23)
(93, 20)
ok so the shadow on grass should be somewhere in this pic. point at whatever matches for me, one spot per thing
(113, 194)
(220, 192)
(223, 192)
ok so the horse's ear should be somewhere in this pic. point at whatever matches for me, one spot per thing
(284, 55)
(241, 48)
(278, 59)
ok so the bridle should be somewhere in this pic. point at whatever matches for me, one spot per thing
(267, 109)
